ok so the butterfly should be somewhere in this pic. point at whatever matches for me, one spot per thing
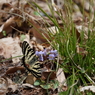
(31, 60)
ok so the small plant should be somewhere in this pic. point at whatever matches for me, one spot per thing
(77, 65)
(47, 54)
(53, 84)
(22, 37)
(4, 33)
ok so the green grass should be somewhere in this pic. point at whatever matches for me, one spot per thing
(79, 69)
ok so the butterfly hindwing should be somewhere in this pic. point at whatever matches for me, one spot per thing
(36, 69)
(30, 59)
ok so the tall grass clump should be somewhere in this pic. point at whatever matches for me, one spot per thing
(76, 52)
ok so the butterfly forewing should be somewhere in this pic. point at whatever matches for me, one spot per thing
(27, 51)
(31, 59)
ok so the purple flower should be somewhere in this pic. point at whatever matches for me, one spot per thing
(40, 55)
(51, 56)
(37, 53)
(43, 54)
(54, 52)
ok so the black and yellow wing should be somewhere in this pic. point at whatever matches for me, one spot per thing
(30, 59)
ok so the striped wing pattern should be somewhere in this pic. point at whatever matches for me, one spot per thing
(30, 59)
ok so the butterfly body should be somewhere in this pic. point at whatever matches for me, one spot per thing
(30, 60)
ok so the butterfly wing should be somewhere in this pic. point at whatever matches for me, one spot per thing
(30, 59)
